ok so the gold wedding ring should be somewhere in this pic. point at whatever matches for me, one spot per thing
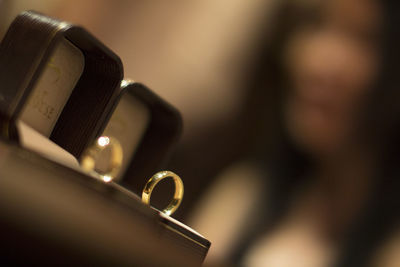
(92, 154)
(178, 195)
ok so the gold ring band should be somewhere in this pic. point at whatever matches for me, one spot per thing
(178, 195)
(92, 154)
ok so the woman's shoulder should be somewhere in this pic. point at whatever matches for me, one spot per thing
(239, 182)
(247, 171)
(223, 211)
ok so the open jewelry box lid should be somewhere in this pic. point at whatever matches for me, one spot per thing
(63, 82)
(39, 56)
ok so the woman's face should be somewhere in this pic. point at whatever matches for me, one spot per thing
(331, 65)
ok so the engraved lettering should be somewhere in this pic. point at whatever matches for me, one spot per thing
(40, 104)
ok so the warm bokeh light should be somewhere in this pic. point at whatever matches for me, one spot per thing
(103, 141)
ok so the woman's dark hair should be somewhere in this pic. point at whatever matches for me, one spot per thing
(286, 165)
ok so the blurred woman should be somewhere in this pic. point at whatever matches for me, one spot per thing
(324, 189)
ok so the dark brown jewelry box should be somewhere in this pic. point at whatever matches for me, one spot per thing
(50, 213)
(24, 53)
